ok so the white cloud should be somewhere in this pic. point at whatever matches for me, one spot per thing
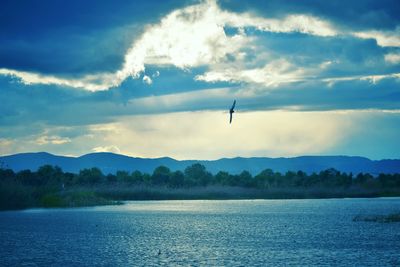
(147, 80)
(271, 75)
(195, 36)
(187, 37)
(95, 82)
(376, 78)
(383, 38)
(54, 140)
(112, 149)
(392, 58)
(6, 146)
(306, 24)
(372, 78)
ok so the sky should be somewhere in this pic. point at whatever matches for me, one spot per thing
(157, 78)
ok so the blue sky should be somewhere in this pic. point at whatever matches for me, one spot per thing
(156, 78)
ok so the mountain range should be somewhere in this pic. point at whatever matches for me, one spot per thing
(110, 163)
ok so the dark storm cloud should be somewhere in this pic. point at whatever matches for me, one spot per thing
(72, 38)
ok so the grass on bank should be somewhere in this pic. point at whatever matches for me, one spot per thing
(119, 192)
(74, 199)
(21, 197)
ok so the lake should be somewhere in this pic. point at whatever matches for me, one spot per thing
(204, 233)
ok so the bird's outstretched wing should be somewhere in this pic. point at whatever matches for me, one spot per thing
(233, 105)
(230, 117)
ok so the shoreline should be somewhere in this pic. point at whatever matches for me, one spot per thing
(117, 195)
(49, 186)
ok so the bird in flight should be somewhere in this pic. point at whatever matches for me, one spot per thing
(231, 111)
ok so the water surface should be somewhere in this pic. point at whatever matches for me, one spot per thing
(204, 233)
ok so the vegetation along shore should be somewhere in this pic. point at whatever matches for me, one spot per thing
(49, 186)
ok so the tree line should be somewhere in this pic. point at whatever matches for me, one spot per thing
(194, 176)
(50, 186)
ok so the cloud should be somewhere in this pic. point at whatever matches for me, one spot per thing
(345, 14)
(292, 23)
(55, 140)
(275, 133)
(264, 133)
(112, 149)
(196, 36)
(393, 58)
(153, 136)
(383, 38)
(73, 141)
(62, 39)
(187, 37)
(28, 110)
(281, 71)
(371, 78)
(317, 61)
(94, 82)
(6, 146)
(147, 80)
(272, 74)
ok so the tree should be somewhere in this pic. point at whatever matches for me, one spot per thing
(280, 180)
(244, 179)
(137, 177)
(313, 180)
(197, 174)
(123, 176)
(90, 176)
(329, 177)
(111, 178)
(7, 175)
(389, 180)
(28, 178)
(344, 180)
(146, 178)
(177, 179)
(48, 174)
(222, 178)
(265, 179)
(296, 178)
(69, 178)
(161, 175)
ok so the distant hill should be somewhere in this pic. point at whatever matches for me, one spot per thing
(110, 163)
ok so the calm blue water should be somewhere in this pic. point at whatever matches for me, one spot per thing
(204, 233)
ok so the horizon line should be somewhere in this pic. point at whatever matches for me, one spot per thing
(244, 157)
